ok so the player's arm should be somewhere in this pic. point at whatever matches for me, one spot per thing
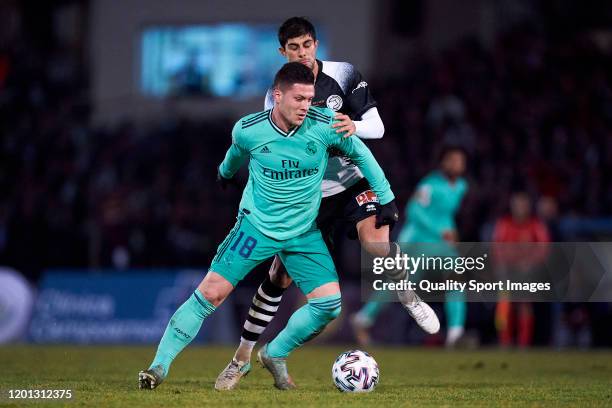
(539, 252)
(366, 122)
(449, 233)
(359, 153)
(501, 253)
(418, 209)
(369, 127)
(236, 155)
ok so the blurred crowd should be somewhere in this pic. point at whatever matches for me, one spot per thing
(535, 114)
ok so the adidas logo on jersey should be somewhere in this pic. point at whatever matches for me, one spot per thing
(265, 150)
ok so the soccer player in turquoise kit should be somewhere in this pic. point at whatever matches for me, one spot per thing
(347, 195)
(430, 220)
(288, 147)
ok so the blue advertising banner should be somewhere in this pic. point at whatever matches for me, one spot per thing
(109, 306)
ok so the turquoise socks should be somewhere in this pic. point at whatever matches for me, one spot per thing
(304, 324)
(184, 325)
(377, 302)
(455, 309)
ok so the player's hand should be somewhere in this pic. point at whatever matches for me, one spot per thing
(450, 236)
(224, 182)
(388, 215)
(344, 124)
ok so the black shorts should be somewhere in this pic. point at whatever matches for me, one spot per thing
(354, 204)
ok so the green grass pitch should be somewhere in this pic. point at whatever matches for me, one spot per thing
(107, 376)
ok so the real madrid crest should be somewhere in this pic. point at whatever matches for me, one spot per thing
(311, 148)
(334, 102)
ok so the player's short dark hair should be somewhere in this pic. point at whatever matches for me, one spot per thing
(295, 27)
(451, 148)
(293, 73)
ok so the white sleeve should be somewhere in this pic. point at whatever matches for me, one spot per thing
(269, 101)
(370, 126)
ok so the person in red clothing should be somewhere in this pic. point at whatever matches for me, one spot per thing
(519, 226)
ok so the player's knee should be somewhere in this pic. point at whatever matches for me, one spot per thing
(329, 310)
(330, 313)
(213, 294)
(215, 288)
(335, 312)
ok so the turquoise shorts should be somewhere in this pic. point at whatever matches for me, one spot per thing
(306, 256)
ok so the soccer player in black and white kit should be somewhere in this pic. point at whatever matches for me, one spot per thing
(346, 193)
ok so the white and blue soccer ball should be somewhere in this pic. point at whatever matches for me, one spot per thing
(355, 371)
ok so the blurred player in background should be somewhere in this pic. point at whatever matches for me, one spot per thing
(520, 226)
(347, 196)
(288, 149)
(430, 215)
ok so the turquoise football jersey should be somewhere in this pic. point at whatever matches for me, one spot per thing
(283, 193)
(432, 208)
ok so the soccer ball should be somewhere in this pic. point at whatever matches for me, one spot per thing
(355, 371)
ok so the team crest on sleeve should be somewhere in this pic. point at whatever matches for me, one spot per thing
(362, 84)
(367, 196)
(311, 148)
(334, 102)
